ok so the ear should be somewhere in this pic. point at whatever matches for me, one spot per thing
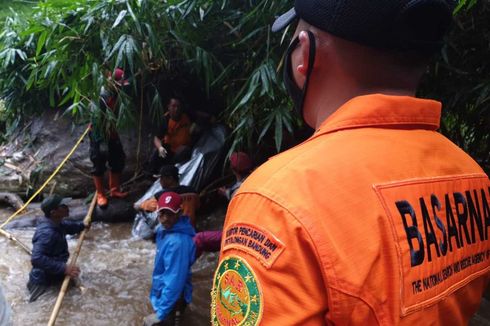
(304, 49)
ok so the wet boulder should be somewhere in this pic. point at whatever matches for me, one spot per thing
(117, 211)
(35, 151)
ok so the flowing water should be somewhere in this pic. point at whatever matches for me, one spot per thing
(114, 283)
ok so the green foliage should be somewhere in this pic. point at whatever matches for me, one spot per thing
(461, 79)
(211, 53)
(18, 6)
(218, 55)
(465, 4)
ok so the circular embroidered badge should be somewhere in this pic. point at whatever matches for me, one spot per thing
(236, 297)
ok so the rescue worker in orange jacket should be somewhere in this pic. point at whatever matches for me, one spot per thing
(376, 219)
(174, 146)
(179, 127)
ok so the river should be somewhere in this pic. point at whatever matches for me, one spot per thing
(114, 283)
(115, 280)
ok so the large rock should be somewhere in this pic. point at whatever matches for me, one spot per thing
(36, 150)
(118, 210)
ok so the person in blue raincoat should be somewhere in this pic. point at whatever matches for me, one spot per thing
(171, 289)
(50, 249)
(4, 310)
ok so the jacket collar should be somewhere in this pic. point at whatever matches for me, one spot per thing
(183, 225)
(378, 110)
(47, 221)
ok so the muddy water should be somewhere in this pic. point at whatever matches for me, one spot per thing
(114, 283)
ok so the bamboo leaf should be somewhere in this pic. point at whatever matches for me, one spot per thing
(118, 45)
(265, 128)
(119, 18)
(278, 132)
(135, 19)
(41, 42)
(21, 54)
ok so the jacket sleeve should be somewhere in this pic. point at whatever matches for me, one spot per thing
(4, 310)
(41, 247)
(293, 254)
(71, 227)
(176, 271)
(149, 205)
(160, 132)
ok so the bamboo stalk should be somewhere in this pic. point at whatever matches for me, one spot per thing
(52, 188)
(139, 128)
(13, 238)
(73, 260)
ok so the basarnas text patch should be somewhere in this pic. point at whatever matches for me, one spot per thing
(253, 240)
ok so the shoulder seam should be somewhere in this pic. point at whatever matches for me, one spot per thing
(310, 238)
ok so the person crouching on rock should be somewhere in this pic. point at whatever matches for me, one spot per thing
(50, 249)
(171, 289)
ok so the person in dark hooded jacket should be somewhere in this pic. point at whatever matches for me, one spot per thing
(171, 289)
(50, 249)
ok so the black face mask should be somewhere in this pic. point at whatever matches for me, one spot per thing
(298, 95)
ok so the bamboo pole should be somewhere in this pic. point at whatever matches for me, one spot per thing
(13, 238)
(139, 128)
(73, 260)
(52, 188)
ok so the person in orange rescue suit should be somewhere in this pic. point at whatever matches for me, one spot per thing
(376, 219)
(106, 148)
(173, 146)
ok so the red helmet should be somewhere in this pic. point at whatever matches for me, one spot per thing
(240, 162)
(118, 77)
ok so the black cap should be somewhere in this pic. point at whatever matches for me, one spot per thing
(389, 24)
(53, 202)
(169, 171)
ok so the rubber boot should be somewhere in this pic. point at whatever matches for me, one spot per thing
(99, 187)
(114, 185)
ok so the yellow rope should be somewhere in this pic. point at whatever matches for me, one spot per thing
(49, 179)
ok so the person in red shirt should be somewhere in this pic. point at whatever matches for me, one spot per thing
(241, 166)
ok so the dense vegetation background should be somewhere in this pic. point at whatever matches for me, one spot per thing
(218, 55)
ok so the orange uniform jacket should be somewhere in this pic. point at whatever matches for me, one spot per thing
(377, 219)
(178, 133)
